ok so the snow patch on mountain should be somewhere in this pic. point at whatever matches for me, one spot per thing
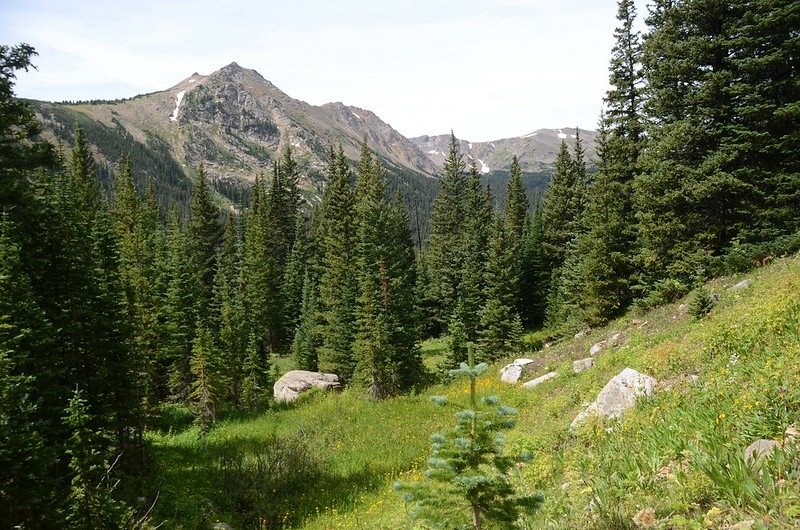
(529, 135)
(562, 135)
(484, 167)
(178, 99)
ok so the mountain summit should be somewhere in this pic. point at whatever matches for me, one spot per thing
(235, 122)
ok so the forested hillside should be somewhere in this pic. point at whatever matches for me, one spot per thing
(126, 299)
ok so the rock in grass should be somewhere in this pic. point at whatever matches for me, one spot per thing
(582, 364)
(760, 449)
(742, 285)
(619, 394)
(292, 384)
(511, 373)
(539, 380)
(221, 526)
(596, 348)
(748, 524)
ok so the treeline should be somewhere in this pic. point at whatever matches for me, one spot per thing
(699, 167)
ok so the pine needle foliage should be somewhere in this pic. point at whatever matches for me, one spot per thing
(468, 480)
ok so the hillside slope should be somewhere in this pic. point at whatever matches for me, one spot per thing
(675, 461)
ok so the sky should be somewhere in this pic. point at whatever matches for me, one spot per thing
(484, 69)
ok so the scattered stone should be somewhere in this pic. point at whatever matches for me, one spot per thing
(645, 518)
(743, 525)
(511, 373)
(292, 384)
(583, 364)
(539, 380)
(614, 340)
(565, 486)
(744, 284)
(596, 348)
(759, 450)
(581, 334)
(221, 526)
(637, 322)
(619, 394)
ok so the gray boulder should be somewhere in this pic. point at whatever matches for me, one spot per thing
(744, 284)
(582, 364)
(539, 380)
(292, 384)
(619, 394)
(760, 449)
(511, 373)
(597, 347)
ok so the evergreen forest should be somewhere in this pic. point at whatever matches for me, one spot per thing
(123, 307)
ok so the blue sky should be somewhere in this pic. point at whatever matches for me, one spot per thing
(487, 70)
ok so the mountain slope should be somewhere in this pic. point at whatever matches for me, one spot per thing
(536, 151)
(235, 122)
(676, 459)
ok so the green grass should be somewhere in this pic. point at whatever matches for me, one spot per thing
(678, 453)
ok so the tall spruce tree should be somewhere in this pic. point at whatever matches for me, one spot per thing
(204, 236)
(500, 324)
(515, 214)
(689, 203)
(445, 245)
(337, 284)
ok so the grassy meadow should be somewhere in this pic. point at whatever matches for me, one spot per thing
(675, 461)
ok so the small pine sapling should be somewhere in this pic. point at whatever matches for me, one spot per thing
(467, 481)
(702, 303)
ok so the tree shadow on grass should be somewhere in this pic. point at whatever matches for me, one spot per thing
(274, 482)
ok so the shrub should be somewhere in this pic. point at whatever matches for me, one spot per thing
(702, 303)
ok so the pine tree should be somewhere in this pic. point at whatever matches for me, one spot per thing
(468, 482)
(337, 285)
(180, 311)
(26, 484)
(90, 503)
(205, 392)
(515, 214)
(293, 276)
(535, 276)
(446, 241)
(500, 325)
(385, 346)
(472, 295)
(559, 216)
(307, 340)
(229, 294)
(204, 236)
(689, 203)
(256, 375)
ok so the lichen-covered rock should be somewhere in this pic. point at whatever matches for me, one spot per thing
(292, 384)
(539, 380)
(511, 373)
(582, 364)
(619, 394)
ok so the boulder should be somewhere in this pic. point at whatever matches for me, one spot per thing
(744, 284)
(582, 364)
(747, 524)
(760, 449)
(294, 383)
(221, 526)
(581, 334)
(539, 380)
(619, 394)
(597, 347)
(511, 373)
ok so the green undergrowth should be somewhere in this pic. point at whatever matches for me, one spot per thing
(675, 461)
